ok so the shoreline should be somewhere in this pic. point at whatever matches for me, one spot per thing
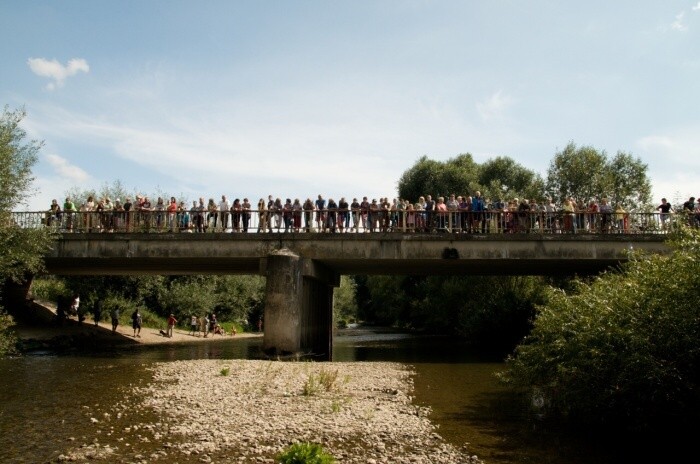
(39, 331)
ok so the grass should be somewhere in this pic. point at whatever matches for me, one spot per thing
(225, 371)
(305, 453)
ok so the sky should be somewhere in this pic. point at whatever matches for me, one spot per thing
(299, 98)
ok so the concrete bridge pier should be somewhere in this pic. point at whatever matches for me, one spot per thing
(298, 306)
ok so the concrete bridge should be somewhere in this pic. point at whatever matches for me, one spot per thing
(303, 269)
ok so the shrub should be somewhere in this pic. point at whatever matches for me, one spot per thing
(305, 453)
(622, 349)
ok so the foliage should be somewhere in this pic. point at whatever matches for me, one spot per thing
(233, 298)
(7, 338)
(16, 160)
(305, 453)
(624, 348)
(225, 371)
(492, 312)
(585, 173)
(345, 302)
(117, 190)
(21, 250)
(461, 175)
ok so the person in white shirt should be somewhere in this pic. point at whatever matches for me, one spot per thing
(224, 208)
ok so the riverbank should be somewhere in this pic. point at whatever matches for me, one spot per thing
(39, 331)
(228, 411)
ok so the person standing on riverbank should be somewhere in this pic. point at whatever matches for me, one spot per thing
(97, 311)
(194, 323)
(114, 314)
(136, 321)
(171, 325)
(204, 325)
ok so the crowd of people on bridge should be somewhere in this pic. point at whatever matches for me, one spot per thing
(454, 213)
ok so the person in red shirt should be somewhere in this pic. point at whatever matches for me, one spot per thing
(171, 324)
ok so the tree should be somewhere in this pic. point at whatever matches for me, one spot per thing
(461, 175)
(21, 249)
(586, 173)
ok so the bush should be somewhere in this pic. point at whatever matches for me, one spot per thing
(305, 453)
(622, 349)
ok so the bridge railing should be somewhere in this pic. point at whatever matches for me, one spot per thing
(351, 221)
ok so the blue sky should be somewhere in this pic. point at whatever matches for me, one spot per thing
(297, 98)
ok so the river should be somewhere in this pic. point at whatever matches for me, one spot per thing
(46, 399)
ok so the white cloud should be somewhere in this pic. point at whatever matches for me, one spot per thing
(56, 71)
(67, 171)
(494, 106)
(696, 7)
(678, 24)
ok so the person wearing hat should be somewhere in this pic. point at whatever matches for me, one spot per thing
(171, 325)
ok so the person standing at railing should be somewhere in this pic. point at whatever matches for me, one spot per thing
(236, 209)
(441, 209)
(118, 216)
(605, 215)
(666, 209)
(373, 215)
(128, 214)
(477, 211)
(355, 213)
(568, 210)
(287, 214)
(308, 208)
(277, 209)
(160, 213)
(320, 205)
(296, 215)
(212, 215)
(453, 206)
(147, 212)
(364, 214)
(108, 215)
(201, 212)
(270, 212)
(224, 208)
(689, 208)
(343, 215)
(184, 219)
(262, 216)
(54, 214)
(245, 214)
(332, 216)
(550, 210)
(429, 211)
(620, 219)
(172, 214)
(463, 207)
(592, 211)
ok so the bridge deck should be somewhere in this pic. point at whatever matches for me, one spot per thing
(377, 253)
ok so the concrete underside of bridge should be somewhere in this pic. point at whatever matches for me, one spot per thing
(302, 269)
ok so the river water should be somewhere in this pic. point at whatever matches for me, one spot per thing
(48, 401)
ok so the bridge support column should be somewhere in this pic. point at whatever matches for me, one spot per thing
(298, 307)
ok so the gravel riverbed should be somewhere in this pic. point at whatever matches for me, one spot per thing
(248, 411)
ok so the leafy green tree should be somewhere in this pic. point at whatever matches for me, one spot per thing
(585, 173)
(21, 249)
(503, 177)
(629, 184)
(623, 349)
(430, 177)
(345, 302)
